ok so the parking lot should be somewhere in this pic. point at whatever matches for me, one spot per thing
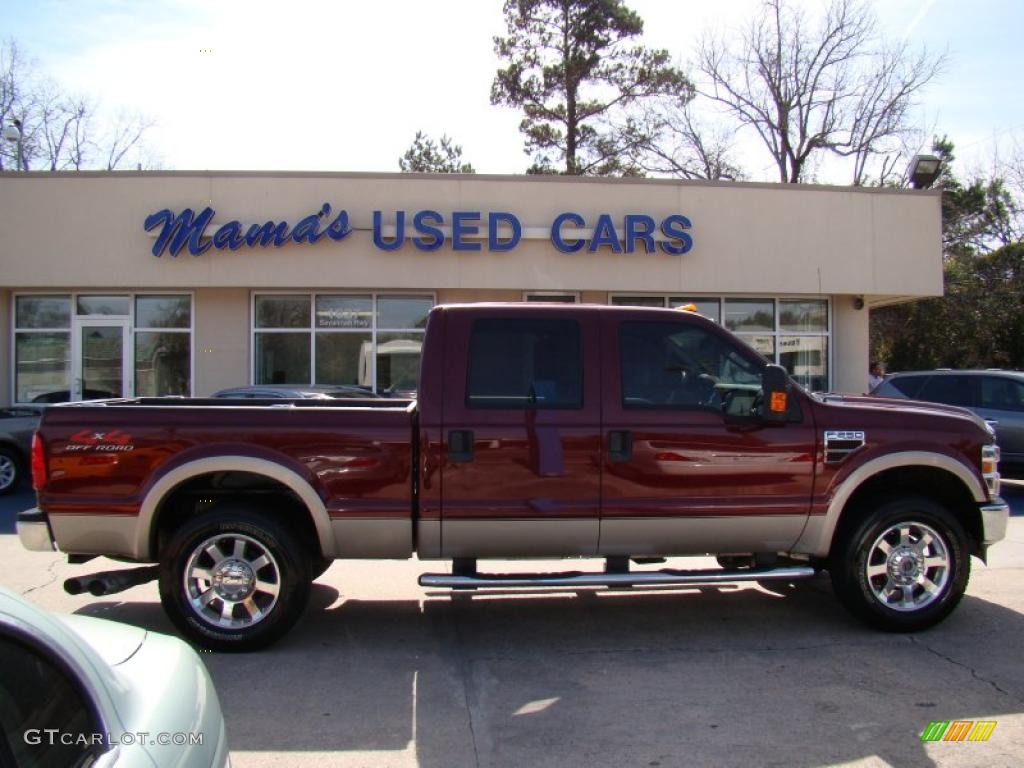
(383, 673)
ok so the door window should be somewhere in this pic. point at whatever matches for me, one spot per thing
(1002, 394)
(520, 364)
(676, 365)
(951, 390)
(35, 696)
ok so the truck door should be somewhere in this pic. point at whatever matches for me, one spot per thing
(688, 468)
(521, 466)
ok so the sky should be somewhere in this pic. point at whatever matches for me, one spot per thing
(344, 85)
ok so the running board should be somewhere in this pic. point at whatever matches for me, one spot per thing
(627, 579)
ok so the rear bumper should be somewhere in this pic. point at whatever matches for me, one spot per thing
(993, 522)
(34, 531)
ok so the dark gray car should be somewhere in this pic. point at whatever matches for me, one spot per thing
(997, 396)
(16, 428)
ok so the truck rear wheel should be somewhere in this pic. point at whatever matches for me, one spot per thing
(904, 567)
(234, 580)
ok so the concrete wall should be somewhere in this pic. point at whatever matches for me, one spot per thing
(850, 346)
(86, 230)
(221, 340)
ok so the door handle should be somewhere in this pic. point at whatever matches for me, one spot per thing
(460, 445)
(620, 446)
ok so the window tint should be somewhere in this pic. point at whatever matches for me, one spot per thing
(908, 385)
(36, 695)
(951, 390)
(525, 364)
(1002, 394)
(677, 365)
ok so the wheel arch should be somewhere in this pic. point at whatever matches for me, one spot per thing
(933, 475)
(152, 506)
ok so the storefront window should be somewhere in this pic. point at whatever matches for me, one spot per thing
(746, 315)
(146, 349)
(43, 312)
(791, 332)
(363, 339)
(103, 305)
(163, 345)
(279, 311)
(42, 364)
(163, 312)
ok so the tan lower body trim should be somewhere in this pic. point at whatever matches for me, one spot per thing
(112, 535)
(372, 538)
(699, 535)
(519, 538)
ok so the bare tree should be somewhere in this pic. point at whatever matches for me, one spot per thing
(805, 89)
(59, 130)
(685, 146)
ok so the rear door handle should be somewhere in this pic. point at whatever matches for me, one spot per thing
(620, 446)
(460, 445)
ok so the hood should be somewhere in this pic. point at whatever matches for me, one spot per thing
(906, 406)
(112, 641)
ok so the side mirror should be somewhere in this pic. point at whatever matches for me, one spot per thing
(776, 394)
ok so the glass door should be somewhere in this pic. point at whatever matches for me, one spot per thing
(100, 363)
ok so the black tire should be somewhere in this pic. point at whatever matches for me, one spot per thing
(319, 567)
(242, 600)
(11, 469)
(903, 567)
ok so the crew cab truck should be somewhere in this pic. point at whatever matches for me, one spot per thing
(540, 431)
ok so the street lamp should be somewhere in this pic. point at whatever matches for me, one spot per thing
(924, 170)
(12, 133)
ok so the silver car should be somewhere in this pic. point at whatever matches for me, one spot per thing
(77, 691)
(16, 428)
(995, 395)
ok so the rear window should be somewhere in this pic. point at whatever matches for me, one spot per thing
(951, 390)
(525, 364)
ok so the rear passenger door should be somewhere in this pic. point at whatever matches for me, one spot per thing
(688, 468)
(521, 473)
(1001, 400)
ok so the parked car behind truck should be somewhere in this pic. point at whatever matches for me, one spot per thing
(997, 396)
(539, 432)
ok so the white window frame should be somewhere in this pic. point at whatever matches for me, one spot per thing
(312, 330)
(73, 296)
(776, 333)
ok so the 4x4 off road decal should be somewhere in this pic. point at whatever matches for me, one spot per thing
(115, 441)
(958, 730)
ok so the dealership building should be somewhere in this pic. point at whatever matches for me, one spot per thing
(183, 283)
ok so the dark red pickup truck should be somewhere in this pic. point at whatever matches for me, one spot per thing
(540, 431)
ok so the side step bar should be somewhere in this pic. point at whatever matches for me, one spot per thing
(627, 579)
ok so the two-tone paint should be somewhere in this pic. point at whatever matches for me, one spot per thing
(376, 479)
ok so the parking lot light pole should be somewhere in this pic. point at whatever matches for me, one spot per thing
(13, 134)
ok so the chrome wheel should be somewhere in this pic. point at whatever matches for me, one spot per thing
(8, 471)
(908, 566)
(232, 581)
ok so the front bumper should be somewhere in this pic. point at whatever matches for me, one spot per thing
(994, 517)
(34, 531)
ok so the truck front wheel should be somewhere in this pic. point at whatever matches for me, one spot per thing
(904, 567)
(234, 580)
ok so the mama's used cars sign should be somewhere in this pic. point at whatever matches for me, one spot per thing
(426, 230)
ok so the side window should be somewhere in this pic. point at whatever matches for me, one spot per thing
(908, 385)
(1002, 394)
(520, 364)
(677, 365)
(34, 696)
(951, 390)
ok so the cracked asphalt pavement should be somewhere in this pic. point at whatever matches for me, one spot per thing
(383, 673)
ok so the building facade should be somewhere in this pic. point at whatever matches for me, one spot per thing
(183, 283)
